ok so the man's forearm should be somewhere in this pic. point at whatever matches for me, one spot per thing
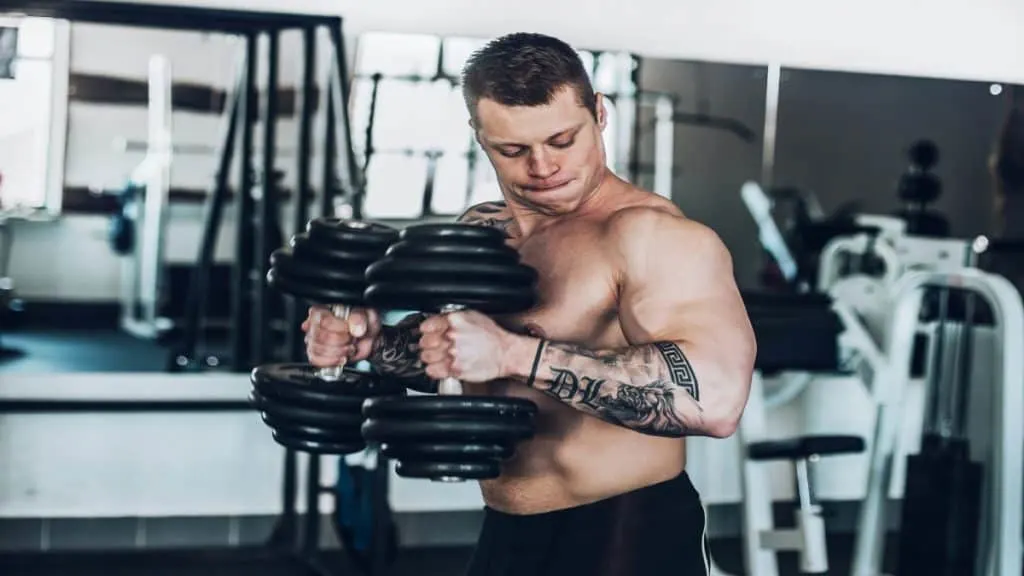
(650, 388)
(396, 352)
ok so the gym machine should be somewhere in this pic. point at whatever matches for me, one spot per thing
(138, 231)
(342, 190)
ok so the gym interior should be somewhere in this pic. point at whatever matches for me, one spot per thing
(861, 163)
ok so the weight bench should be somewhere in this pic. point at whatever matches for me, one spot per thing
(795, 333)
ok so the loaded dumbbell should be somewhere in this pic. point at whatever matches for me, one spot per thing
(451, 436)
(319, 410)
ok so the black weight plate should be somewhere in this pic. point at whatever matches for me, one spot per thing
(445, 430)
(452, 452)
(439, 470)
(316, 447)
(350, 296)
(306, 250)
(345, 434)
(284, 262)
(434, 296)
(404, 249)
(420, 407)
(407, 270)
(301, 416)
(346, 231)
(353, 383)
(309, 284)
(463, 233)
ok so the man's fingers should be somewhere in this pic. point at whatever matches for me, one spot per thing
(358, 323)
(438, 371)
(432, 340)
(434, 355)
(438, 323)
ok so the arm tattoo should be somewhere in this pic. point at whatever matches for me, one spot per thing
(650, 388)
(396, 352)
(489, 215)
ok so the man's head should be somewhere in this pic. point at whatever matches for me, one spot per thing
(538, 119)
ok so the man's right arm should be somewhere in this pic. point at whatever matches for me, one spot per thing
(396, 352)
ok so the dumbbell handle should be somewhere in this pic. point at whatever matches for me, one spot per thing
(333, 373)
(450, 386)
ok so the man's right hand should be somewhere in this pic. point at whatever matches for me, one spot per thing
(333, 341)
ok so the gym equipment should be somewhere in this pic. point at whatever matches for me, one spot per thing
(10, 303)
(918, 187)
(137, 232)
(795, 332)
(444, 268)
(321, 411)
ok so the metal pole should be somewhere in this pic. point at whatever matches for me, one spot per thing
(771, 119)
(351, 176)
(305, 110)
(330, 178)
(267, 219)
(241, 322)
(214, 213)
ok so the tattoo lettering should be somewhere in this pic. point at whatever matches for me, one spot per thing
(679, 368)
(638, 388)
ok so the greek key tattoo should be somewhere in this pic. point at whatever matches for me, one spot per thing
(396, 352)
(489, 215)
(651, 389)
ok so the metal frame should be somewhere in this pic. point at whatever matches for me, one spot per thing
(256, 217)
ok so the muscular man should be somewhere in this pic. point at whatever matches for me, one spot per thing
(640, 338)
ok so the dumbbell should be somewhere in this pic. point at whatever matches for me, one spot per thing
(320, 410)
(450, 436)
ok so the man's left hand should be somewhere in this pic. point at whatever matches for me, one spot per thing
(465, 345)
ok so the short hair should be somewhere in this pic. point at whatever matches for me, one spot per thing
(1008, 162)
(525, 69)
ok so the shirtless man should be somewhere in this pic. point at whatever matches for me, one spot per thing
(640, 338)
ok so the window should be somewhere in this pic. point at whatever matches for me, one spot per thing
(411, 129)
(33, 112)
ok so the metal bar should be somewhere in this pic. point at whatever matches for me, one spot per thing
(214, 213)
(329, 176)
(371, 120)
(166, 16)
(634, 158)
(351, 176)
(311, 526)
(240, 319)
(267, 217)
(306, 104)
(771, 120)
(49, 406)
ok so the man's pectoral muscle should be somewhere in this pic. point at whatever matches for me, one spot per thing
(650, 388)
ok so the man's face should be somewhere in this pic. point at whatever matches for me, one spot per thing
(551, 157)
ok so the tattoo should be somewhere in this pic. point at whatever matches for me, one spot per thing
(396, 353)
(489, 215)
(651, 388)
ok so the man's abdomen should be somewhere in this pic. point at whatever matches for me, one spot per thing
(576, 459)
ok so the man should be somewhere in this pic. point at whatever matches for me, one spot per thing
(640, 338)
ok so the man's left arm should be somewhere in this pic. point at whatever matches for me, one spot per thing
(690, 369)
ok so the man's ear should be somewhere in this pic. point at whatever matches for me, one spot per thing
(602, 112)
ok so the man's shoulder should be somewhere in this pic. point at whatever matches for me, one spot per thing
(661, 228)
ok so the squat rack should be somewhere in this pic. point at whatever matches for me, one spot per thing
(258, 214)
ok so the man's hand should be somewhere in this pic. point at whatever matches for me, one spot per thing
(333, 341)
(465, 345)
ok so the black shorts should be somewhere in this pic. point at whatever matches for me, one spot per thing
(658, 530)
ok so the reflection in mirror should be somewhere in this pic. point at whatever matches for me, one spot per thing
(411, 129)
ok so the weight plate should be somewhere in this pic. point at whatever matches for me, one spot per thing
(451, 452)
(303, 376)
(345, 231)
(300, 416)
(407, 270)
(351, 296)
(420, 407)
(344, 434)
(308, 250)
(410, 250)
(442, 470)
(283, 260)
(434, 296)
(446, 429)
(317, 447)
(467, 233)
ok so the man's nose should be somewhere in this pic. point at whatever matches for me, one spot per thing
(542, 165)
